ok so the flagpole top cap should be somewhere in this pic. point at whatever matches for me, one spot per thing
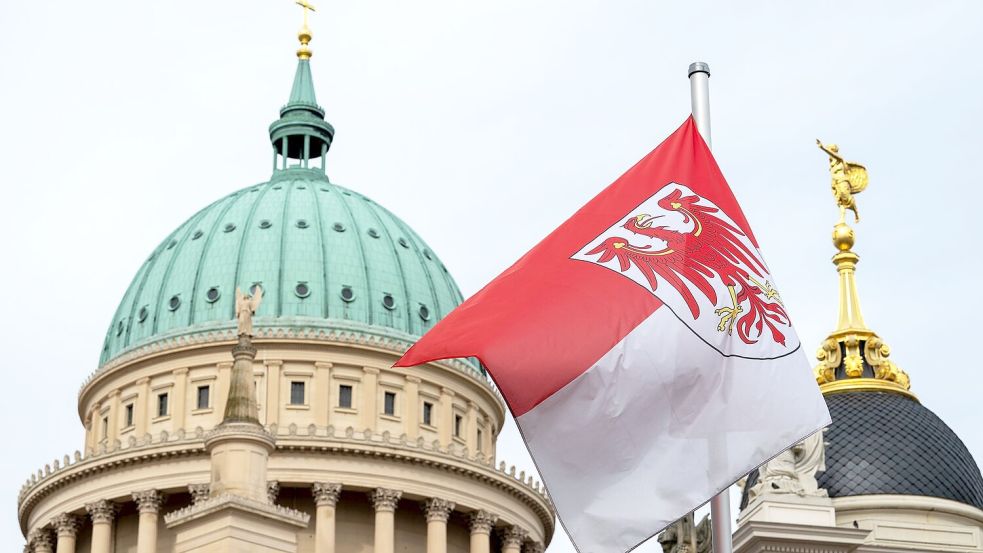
(699, 67)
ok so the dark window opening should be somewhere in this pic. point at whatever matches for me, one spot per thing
(128, 415)
(428, 413)
(162, 405)
(297, 393)
(203, 397)
(389, 403)
(458, 419)
(345, 396)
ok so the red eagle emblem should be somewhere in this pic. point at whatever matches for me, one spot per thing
(692, 246)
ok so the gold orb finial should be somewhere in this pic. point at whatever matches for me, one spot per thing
(843, 237)
(304, 36)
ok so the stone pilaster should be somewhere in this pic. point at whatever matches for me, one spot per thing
(438, 511)
(102, 513)
(66, 527)
(326, 497)
(512, 538)
(481, 527)
(384, 501)
(148, 504)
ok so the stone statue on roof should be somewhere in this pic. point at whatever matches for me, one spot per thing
(246, 307)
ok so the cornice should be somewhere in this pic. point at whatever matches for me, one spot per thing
(292, 439)
(906, 503)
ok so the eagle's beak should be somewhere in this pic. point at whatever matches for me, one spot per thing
(645, 220)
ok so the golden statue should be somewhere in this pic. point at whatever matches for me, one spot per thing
(849, 178)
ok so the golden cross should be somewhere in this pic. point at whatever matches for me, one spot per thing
(307, 7)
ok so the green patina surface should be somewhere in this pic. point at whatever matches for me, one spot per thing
(321, 252)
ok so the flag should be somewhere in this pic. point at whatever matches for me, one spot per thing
(644, 350)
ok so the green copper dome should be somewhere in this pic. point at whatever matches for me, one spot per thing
(327, 257)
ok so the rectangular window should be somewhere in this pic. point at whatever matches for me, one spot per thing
(479, 441)
(297, 393)
(458, 420)
(204, 401)
(389, 403)
(105, 427)
(428, 413)
(128, 415)
(162, 405)
(345, 396)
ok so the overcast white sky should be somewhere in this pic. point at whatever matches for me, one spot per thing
(484, 125)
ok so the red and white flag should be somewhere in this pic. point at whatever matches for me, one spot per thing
(644, 350)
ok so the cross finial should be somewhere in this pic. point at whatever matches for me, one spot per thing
(304, 36)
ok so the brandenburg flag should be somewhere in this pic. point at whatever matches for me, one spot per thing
(644, 350)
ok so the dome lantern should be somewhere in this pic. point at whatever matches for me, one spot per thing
(853, 357)
(301, 133)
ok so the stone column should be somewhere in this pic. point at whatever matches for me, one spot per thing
(512, 538)
(385, 502)
(438, 511)
(481, 526)
(102, 513)
(326, 498)
(40, 540)
(67, 527)
(148, 504)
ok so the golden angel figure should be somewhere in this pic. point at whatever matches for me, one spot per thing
(849, 178)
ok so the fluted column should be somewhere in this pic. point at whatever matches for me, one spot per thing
(512, 538)
(438, 511)
(102, 513)
(67, 527)
(326, 498)
(148, 504)
(385, 502)
(40, 540)
(481, 526)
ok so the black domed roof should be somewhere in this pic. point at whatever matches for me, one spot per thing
(887, 443)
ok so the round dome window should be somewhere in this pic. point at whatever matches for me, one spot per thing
(389, 302)
(347, 294)
(338, 227)
(142, 314)
(373, 233)
(174, 303)
(212, 295)
(198, 234)
(402, 242)
(302, 223)
(424, 312)
(301, 187)
(229, 227)
(265, 224)
(302, 290)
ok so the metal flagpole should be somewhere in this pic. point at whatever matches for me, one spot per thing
(699, 87)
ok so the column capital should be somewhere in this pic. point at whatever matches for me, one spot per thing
(199, 492)
(438, 510)
(513, 536)
(115, 393)
(272, 490)
(482, 522)
(66, 525)
(224, 365)
(182, 370)
(448, 392)
(273, 363)
(323, 364)
(101, 511)
(326, 494)
(142, 381)
(534, 547)
(371, 370)
(384, 499)
(413, 379)
(40, 540)
(148, 501)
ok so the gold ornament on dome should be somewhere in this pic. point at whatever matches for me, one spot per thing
(853, 357)
(304, 35)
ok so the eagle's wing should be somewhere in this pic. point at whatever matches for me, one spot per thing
(256, 299)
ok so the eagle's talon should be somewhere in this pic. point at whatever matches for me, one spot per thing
(728, 315)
